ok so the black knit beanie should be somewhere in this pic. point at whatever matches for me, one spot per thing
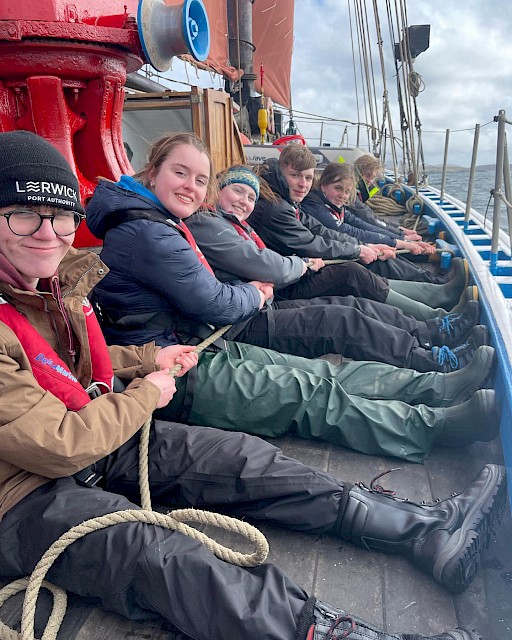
(33, 172)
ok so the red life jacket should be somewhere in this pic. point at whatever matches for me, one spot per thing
(191, 240)
(50, 371)
(248, 234)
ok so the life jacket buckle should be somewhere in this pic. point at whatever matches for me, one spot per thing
(94, 389)
(87, 477)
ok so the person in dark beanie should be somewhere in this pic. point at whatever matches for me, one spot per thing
(52, 356)
(36, 174)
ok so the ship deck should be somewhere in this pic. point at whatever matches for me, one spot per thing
(384, 589)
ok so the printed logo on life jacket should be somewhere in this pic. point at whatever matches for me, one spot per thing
(47, 192)
(55, 366)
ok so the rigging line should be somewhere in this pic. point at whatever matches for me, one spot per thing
(420, 144)
(365, 47)
(401, 26)
(421, 157)
(408, 71)
(386, 111)
(359, 71)
(353, 62)
(499, 194)
(411, 71)
(403, 118)
(443, 131)
(393, 37)
(404, 45)
(372, 76)
(332, 120)
(361, 54)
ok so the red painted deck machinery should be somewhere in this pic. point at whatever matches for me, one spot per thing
(62, 74)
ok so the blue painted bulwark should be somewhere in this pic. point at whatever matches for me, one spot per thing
(506, 289)
(473, 240)
(481, 242)
(504, 271)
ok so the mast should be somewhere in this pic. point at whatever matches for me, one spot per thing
(241, 49)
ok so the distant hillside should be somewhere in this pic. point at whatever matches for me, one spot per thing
(452, 168)
(486, 167)
(438, 168)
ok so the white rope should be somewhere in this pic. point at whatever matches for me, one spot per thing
(173, 521)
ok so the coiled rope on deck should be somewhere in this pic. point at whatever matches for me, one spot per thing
(33, 584)
(384, 205)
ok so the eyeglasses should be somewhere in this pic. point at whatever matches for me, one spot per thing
(23, 222)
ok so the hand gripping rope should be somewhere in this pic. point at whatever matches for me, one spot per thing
(397, 252)
(33, 584)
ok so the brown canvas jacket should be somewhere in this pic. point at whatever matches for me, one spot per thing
(39, 438)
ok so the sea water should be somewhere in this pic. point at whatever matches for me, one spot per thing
(456, 184)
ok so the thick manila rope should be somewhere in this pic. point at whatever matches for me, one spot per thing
(397, 252)
(384, 205)
(145, 515)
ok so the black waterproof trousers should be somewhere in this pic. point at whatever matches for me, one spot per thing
(346, 279)
(403, 269)
(359, 329)
(141, 571)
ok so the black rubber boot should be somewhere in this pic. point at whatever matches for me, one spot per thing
(479, 336)
(476, 420)
(469, 293)
(336, 624)
(444, 538)
(453, 329)
(462, 384)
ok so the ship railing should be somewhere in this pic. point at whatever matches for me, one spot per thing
(501, 181)
(502, 176)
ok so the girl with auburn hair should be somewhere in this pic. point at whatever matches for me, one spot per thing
(163, 147)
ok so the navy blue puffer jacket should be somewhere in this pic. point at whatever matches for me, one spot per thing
(153, 270)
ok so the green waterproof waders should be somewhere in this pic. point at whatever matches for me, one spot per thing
(266, 393)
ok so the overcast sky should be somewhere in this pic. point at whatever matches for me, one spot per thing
(467, 72)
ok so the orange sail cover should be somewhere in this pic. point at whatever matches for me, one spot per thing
(272, 23)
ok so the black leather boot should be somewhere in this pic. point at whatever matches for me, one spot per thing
(444, 538)
(446, 360)
(336, 624)
(454, 328)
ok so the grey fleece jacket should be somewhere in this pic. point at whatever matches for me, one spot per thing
(233, 256)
